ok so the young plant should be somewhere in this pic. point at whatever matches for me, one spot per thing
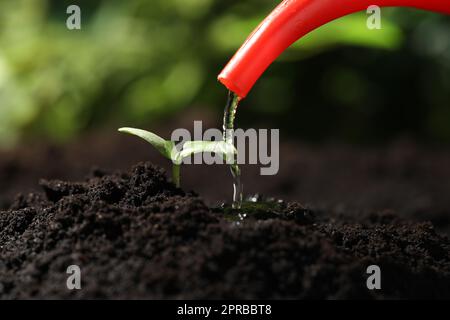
(169, 150)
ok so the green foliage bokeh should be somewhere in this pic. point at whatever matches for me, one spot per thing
(138, 60)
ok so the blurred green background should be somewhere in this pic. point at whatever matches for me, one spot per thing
(140, 62)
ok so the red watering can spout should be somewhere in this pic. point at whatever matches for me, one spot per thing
(290, 21)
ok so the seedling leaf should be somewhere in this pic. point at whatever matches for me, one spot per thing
(168, 149)
(165, 147)
(192, 147)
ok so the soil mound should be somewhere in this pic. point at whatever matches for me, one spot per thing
(135, 235)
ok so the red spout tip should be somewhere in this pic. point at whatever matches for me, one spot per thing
(232, 86)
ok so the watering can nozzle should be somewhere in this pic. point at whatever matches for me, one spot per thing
(290, 21)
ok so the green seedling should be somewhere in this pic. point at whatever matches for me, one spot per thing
(169, 150)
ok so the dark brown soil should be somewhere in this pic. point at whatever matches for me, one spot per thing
(135, 235)
(411, 179)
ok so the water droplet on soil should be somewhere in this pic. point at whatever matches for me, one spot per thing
(267, 208)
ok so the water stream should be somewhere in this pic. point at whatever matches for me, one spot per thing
(228, 133)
